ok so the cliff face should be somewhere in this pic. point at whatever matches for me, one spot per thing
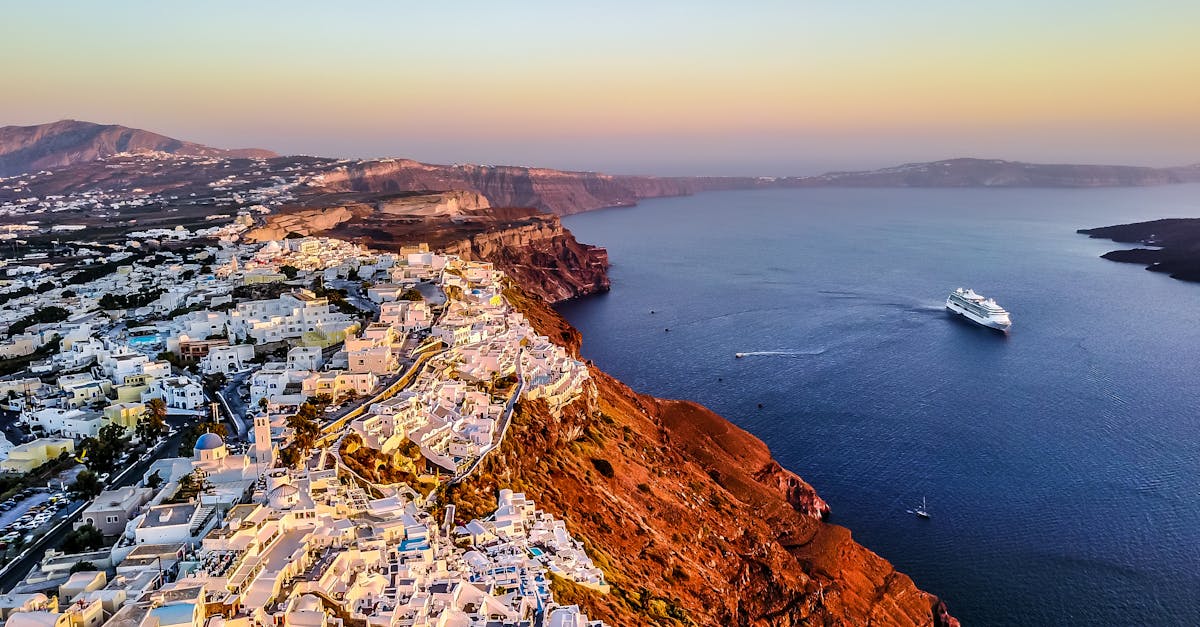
(556, 191)
(67, 142)
(691, 519)
(563, 192)
(543, 255)
(530, 246)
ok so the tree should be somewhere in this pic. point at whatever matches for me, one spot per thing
(191, 485)
(102, 450)
(288, 456)
(86, 486)
(110, 301)
(412, 293)
(153, 423)
(82, 566)
(289, 271)
(41, 316)
(85, 538)
(154, 481)
(216, 381)
(304, 427)
(172, 358)
(305, 431)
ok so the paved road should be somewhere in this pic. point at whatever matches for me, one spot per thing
(232, 404)
(16, 571)
(355, 295)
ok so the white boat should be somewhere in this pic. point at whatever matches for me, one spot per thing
(978, 309)
(921, 512)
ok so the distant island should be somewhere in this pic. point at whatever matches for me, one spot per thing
(1175, 242)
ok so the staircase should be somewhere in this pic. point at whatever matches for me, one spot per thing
(200, 518)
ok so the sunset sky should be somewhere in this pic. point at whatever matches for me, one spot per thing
(656, 87)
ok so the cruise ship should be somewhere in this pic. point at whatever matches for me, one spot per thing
(977, 309)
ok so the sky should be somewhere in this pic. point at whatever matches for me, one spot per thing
(735, 88)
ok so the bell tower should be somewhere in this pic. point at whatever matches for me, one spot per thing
(264, 453)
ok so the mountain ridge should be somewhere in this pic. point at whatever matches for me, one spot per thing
(565, 192)
(69, 142)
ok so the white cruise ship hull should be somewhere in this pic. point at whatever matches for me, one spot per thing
(990, 323)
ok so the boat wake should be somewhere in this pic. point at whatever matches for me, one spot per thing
(886, 300)
(809, 353)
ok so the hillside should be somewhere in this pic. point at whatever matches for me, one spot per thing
(68, 142)
(691, 519)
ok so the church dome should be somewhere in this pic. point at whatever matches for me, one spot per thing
(208, 442)
(284, 496)
(210, 447)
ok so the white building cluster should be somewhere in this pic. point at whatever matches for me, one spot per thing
(223, 538)
(457, 409)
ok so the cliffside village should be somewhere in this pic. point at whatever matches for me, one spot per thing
(326, 392)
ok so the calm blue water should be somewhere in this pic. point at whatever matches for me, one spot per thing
(1061, 464)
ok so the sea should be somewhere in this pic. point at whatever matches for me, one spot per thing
(1060, 463)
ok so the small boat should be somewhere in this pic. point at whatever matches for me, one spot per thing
(739, 355)
(921, 511)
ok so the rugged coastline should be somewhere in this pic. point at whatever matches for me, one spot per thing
(692, 519)
(1175, 245)
(697, 523)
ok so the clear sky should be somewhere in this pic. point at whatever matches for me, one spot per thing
(657, 87)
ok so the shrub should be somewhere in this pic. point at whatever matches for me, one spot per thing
(85, 538)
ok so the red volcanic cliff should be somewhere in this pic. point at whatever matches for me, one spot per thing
(532, 247)
(689, 516)
(541, 254)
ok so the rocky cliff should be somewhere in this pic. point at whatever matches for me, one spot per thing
(691, 519)
(556, 191)
(68, 142)
(1175, 245)
(526, 244)
(563, 192)
(541, 254)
